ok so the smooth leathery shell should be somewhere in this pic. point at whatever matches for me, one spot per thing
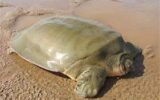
(58, 42)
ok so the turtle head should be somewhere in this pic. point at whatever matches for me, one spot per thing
(119, 64)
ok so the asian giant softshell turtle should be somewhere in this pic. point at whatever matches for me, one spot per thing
(82, 49)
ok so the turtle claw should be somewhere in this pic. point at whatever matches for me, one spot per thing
(86, 88)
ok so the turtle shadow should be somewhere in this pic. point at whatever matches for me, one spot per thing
(137, 72)
(107, 86)
(59, 74)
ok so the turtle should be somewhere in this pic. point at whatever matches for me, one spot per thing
(85, 50)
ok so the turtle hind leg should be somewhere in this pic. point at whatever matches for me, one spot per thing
(90, 81)
(10, 50)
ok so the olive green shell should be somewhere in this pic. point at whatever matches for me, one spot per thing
(58, 42)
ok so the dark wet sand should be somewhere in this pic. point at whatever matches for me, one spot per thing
(136, 20)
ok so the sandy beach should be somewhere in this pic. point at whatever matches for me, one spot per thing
(137, 20)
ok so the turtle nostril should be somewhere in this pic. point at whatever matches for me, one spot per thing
(128, 64)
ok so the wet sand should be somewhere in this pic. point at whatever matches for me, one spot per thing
(137, 21)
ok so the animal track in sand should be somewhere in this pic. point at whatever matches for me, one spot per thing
(10, 18)
(76, 3)
(8, 21)
(36, 11)
(148, 52)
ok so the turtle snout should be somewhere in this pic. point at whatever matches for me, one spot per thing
(126, 63)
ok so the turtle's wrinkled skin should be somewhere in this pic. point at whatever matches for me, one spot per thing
(84, 50)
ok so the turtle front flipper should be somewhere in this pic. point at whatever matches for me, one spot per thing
(90, 81)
